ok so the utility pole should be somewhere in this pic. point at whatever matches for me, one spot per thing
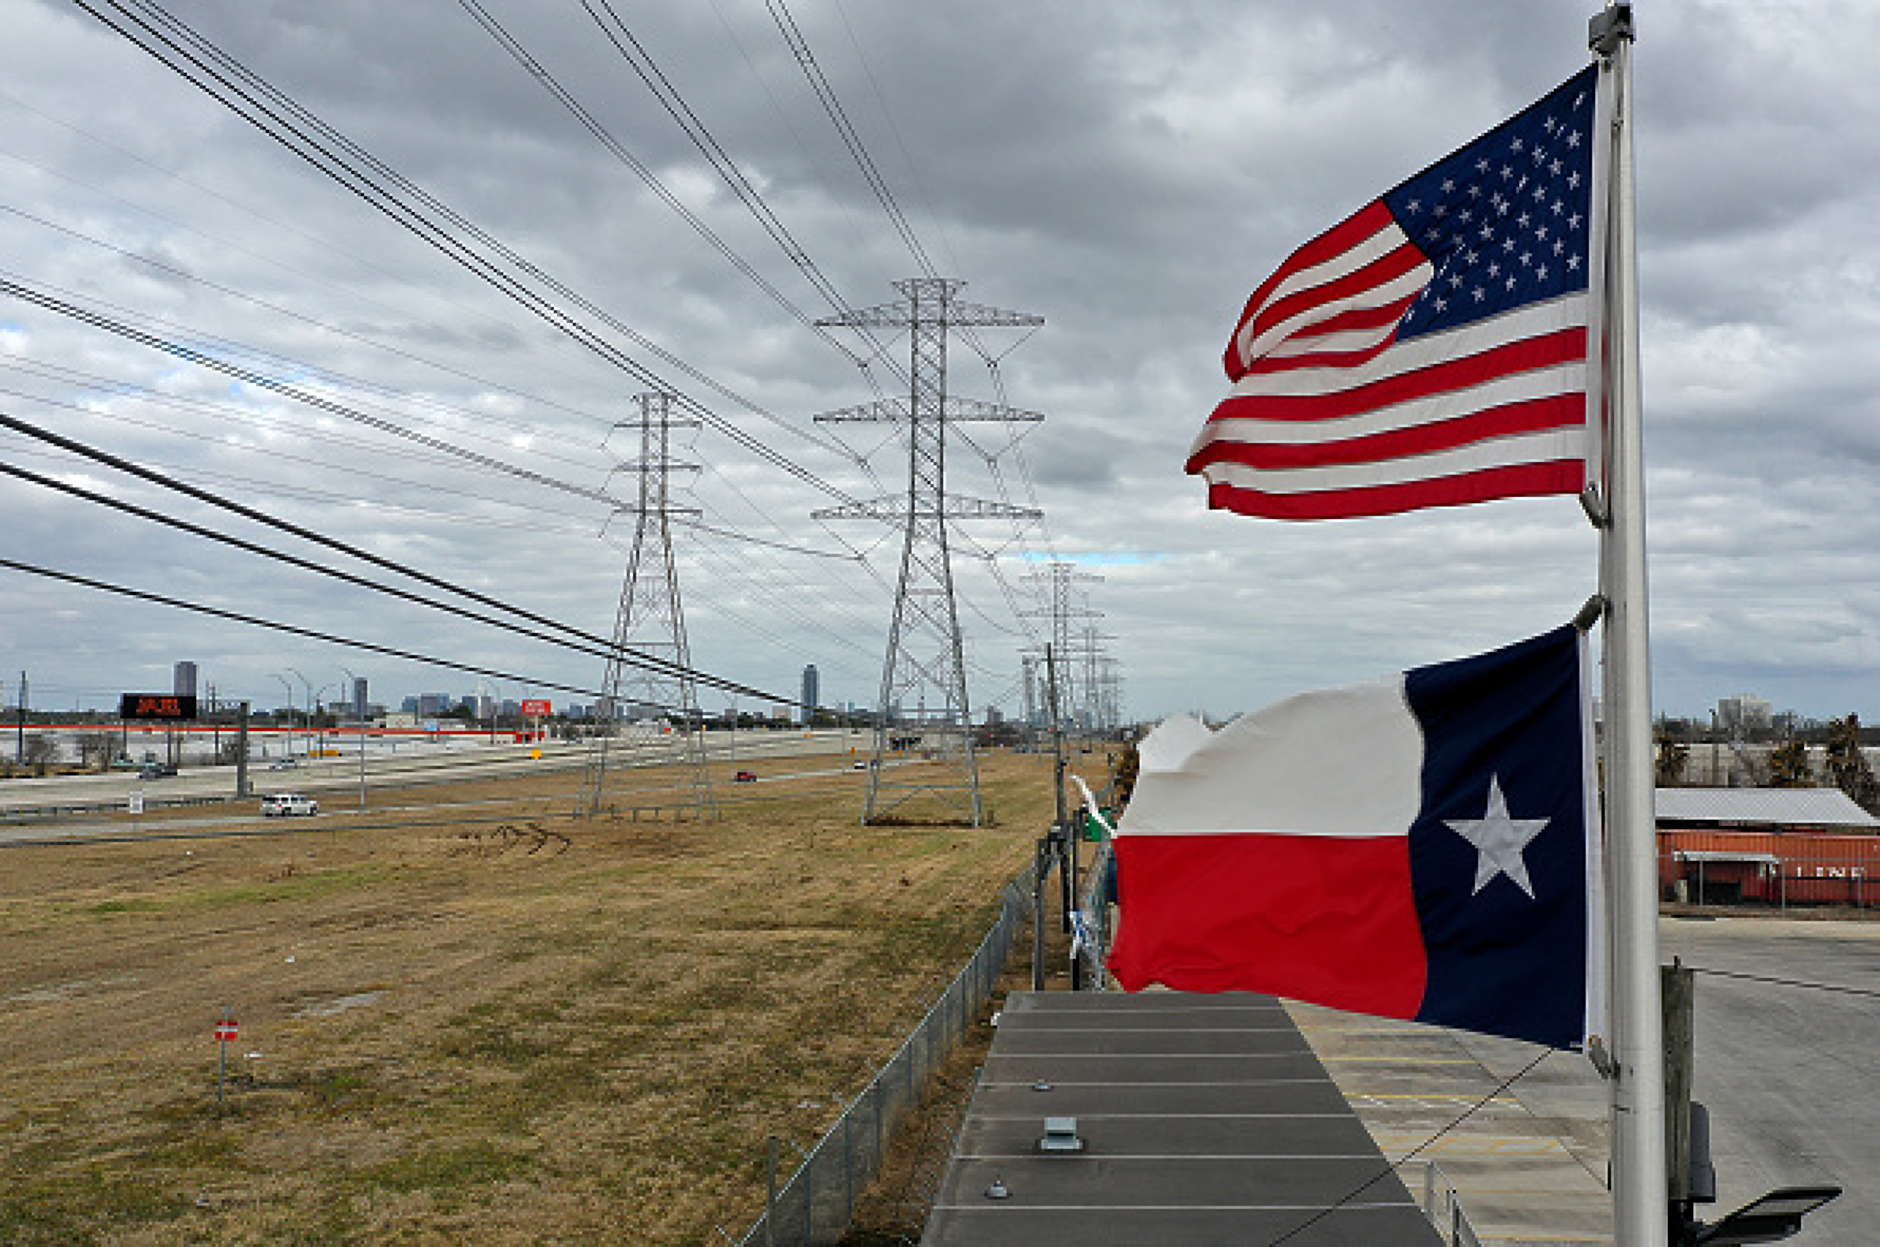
(19, 731)
(1029, 665)
(651, 618)
(241, 755)
(925, 653)
(1058, 767)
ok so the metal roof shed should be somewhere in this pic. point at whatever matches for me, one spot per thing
(1820, 808)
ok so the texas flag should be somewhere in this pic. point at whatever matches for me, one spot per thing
(1423, 848)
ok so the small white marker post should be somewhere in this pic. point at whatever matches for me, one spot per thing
(225, 1034)
(136, 807)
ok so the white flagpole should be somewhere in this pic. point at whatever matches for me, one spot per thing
(1641, 1209)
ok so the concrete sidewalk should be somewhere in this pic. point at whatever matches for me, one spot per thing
(1528, 1165)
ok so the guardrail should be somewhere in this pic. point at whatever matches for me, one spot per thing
(32, 813)
(818, 1201)
(1443, 1207)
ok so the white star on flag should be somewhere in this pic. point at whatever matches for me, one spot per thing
(1499, 840)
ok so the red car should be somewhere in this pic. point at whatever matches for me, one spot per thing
(745, 777)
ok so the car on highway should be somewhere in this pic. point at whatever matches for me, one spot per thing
(745, 777)
(284, 764)
(288, 804)
(155, 770)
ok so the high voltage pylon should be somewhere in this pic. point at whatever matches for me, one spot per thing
(1075, 647)
(925, 655)
(1110, 698)
(651, 619)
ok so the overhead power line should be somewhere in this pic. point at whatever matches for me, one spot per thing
(280, 117)
(324, 326)
(249, 375)
(294, 560)
(635, 54)
(105, 586)
(589, 122)
(806, 60)
(216, 500)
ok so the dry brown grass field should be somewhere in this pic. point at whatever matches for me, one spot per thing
(473, 1019)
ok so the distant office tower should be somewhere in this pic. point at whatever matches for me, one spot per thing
(359, 697)
(1746, 713)
(185, 680)
(812, 692)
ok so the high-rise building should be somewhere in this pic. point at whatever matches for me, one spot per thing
(1745, 713)
(184, 680)
(812, 692)
(359, 697)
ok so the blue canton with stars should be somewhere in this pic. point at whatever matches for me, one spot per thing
(1505, 220)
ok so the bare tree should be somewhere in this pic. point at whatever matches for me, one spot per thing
(96, 749)
(37, 752)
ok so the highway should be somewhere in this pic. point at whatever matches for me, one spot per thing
(36, 803)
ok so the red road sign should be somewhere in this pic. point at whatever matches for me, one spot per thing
(225, 1031)
(534, 707)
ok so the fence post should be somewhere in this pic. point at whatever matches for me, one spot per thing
(965, 980)
(1037, 919)
(879, 1158)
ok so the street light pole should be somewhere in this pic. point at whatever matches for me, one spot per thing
(308, 685)
(290, 711)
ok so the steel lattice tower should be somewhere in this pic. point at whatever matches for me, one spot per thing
(651, 621)
(1076, 691)
(925, 657)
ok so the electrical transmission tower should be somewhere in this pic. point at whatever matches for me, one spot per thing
(923, 701)
(1075, 648)
(636, 697)
(1111, 699)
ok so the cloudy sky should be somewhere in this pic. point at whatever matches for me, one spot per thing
(1126, 171)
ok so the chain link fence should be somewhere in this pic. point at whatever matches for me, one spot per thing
(817, 1202)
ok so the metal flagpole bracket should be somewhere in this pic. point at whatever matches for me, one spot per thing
(1601, 1059)
(1590, 613)
(1609, 27)
(1595, 507)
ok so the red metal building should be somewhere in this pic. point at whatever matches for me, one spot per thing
(1776, 846)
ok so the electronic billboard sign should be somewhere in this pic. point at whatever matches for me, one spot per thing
(175, 707)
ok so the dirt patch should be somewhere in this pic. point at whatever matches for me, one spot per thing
(567, 1029)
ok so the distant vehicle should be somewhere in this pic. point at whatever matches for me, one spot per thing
(288, 804)
(284, 764)
(156, 770)
(745, 777)
(860, 765)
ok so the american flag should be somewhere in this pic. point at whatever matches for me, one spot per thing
(1429, 350)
